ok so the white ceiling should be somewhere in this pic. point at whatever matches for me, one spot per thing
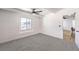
(45, 10)
(28, 10)
(54, 10)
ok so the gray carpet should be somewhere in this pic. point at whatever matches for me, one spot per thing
(38, 42)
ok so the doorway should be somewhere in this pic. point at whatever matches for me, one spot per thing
(69, 28)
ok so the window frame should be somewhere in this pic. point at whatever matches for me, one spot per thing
(28, 27)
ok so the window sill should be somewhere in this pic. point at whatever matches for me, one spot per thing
(26, 31)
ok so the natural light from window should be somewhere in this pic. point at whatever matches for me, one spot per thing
(25, 23)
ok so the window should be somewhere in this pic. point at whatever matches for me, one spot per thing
(25, 23)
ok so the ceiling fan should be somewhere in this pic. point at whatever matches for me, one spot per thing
(36, 11)
(72, 16)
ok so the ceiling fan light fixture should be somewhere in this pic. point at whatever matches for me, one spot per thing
(72, 16)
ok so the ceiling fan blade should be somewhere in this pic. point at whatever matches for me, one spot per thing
(38, 11)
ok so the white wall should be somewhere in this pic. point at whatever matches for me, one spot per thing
(10, 25)
(52, 21)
